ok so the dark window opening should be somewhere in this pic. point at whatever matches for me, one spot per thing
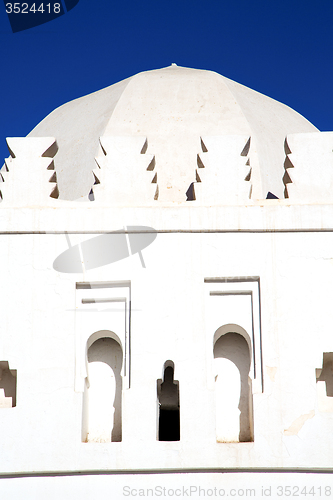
(168, 398)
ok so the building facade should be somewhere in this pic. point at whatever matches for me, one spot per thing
(167, 288)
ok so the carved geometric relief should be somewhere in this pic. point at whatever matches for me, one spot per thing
(3, 175)
(25, 176)
(309, 167)
(223, 174)
(103, 310)
(232, 305)
(121, 176)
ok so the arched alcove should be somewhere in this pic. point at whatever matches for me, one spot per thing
(168, 401)
(102, 399)
(233, 392)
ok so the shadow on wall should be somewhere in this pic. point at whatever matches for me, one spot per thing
(234, 417)
(102, 405)
(104, 249)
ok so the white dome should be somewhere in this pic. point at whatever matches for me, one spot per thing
(172, 108)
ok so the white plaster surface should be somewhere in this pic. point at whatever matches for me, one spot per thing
(225, 168)
(147, 269)
(100, 395)
(227, 396)
(5, 402)
(173, 107)
(28, 171)
(122, 172)
(310, 167)
(168, 322)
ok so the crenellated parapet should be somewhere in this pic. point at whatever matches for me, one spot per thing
(308, 167)
(26, 174)
(223, 174)
(125, 173)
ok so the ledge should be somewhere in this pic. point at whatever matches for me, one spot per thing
(274, 216)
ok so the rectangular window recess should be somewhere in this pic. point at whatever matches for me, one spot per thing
(101, 301)
(102, 308)
(233, 279)
(232, 292)
(233, 305)
(102, 284)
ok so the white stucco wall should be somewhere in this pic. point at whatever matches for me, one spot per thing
(38, 339)
(167, 280)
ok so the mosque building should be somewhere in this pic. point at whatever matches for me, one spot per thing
(167, 285)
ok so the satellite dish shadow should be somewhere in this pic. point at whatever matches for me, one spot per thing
(105, 249)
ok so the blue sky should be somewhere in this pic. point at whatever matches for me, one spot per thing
(283, 49)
